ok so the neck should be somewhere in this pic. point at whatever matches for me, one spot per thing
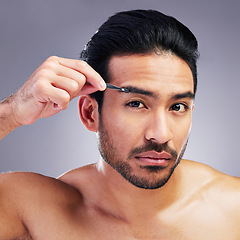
(131, 201)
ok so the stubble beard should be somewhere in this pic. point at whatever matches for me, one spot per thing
(158, 175)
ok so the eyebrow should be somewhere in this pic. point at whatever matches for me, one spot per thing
(184, 95)
(141, 91)
(137, 90)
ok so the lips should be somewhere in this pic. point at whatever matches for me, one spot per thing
(153, 158)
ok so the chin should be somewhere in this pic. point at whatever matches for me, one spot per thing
(154, 177)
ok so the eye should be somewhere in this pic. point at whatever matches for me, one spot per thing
(136, 104)
(179, 107)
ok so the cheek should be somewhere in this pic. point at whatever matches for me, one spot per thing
(120, 119)
(181, 133)
(123, 129)
(126, 131)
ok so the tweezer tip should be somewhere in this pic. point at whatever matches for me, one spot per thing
(122, 89)
(126, 90)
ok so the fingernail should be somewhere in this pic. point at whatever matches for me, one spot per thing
(102, 85)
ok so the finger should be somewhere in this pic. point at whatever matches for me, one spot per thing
(70, 73)
(87, 89)
(71, 86)
(55, 95)
(82, 67)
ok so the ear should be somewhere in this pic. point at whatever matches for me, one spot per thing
(88, 111)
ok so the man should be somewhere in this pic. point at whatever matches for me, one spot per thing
(140, 188)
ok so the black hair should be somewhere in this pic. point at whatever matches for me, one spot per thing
(139, 32)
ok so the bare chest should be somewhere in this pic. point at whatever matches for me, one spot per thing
(196, 225)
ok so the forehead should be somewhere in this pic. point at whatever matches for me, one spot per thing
(154, 72)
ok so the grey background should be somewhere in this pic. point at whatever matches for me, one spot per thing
(32, 30)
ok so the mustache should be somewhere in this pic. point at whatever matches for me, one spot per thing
(151, 146)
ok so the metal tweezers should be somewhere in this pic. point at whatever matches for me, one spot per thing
(110, 86)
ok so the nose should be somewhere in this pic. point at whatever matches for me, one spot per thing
(158, 129)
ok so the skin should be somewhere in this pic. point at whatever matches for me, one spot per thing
(97, 202)
(149, 117)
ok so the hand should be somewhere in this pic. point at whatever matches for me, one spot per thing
(51, 87)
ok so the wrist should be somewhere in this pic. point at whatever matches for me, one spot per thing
(7, 121)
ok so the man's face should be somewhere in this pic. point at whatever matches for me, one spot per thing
(143, 133)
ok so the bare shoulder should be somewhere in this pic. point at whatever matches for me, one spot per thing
(209, 176)
(221, 189)
(26, 190)
(21, 194)
(31, 185)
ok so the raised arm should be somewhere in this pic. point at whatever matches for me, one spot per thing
(48, 91)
